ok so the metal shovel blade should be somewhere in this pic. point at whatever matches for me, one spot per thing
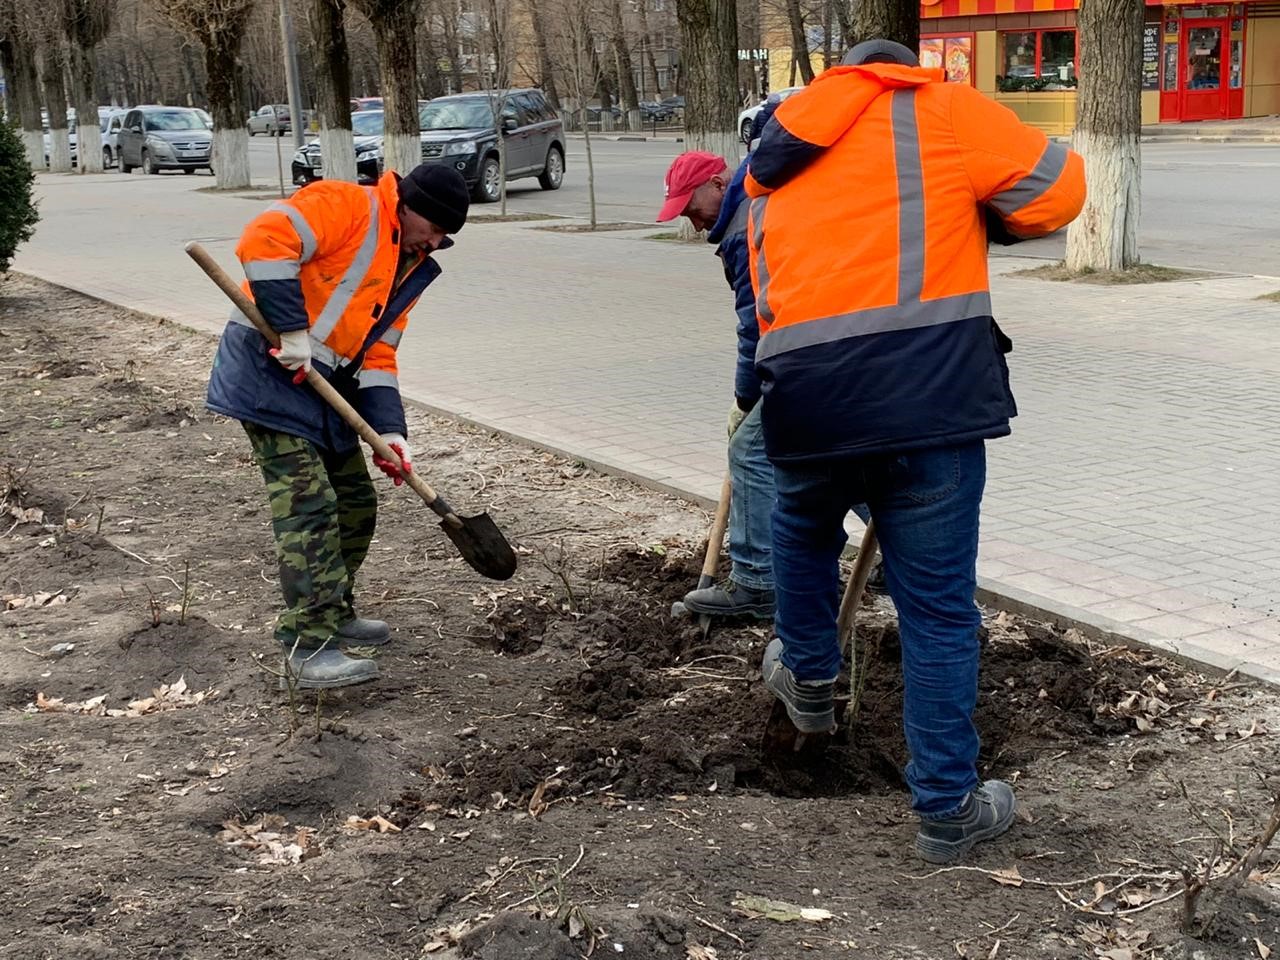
(483, 546)
(781, 740)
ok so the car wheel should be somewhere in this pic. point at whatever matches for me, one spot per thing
(252, 132)
(106, 158)
(148, 166)
(746, 130)
(489, 187)
(553, 173)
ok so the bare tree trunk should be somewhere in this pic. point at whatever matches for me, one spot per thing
(333, 88)
(888, 20)
(591, 169)
(1107, 134)
(230, 135)
(431, 81)
(394, 30)
(53, 66)
(87, 24)
(622, 56)
(651, 60)
(709, 52)
(844, 17)
(22, 88)
(799, 42)
(88, 133)
(826, 34)
(545, 69)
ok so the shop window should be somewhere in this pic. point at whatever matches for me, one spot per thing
(954, 54)
(1038, 60)
(1237, 64)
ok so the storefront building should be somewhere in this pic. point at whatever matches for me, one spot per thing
(1200, 61)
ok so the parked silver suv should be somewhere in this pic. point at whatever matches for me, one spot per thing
(165, 138)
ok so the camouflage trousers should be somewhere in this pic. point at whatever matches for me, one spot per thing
(323, 511)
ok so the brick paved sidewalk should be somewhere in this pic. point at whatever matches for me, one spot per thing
(1140, 491)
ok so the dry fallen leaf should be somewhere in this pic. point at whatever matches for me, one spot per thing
(537, 805)
(1009, 877)
(1263, 950)
(696, 951)
(377, 822)
(1119, 953)
(778, 910)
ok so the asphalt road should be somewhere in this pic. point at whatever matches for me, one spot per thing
(1208, 206)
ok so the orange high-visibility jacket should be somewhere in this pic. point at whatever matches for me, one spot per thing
(869, 256)
(325, 260)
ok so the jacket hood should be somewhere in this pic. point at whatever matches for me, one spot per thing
(814, 119)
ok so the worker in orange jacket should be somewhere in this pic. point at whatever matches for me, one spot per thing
(883, 374)
(335, 270)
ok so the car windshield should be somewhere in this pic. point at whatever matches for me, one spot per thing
(463, 114)
(367, 123)
(174, 120)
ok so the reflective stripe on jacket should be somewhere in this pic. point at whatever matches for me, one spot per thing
(870, 192)
(325, 260)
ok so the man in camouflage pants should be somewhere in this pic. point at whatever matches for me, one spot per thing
(318, 557)
(334, 270)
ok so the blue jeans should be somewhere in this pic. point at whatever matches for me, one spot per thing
(925, 504)
(750, 505)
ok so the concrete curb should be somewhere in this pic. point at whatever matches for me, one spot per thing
(991, 592)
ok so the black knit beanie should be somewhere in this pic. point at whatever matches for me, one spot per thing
(438, 193)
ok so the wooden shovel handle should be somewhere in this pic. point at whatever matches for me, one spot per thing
(715, 540)
(857, 584)
(317, 382)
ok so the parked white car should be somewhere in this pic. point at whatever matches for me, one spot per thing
(748, 116)
(111, 122)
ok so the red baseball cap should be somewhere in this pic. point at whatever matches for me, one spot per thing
(688, 172)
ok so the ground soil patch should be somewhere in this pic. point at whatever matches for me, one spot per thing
(542, 759)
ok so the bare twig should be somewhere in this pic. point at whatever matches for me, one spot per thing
(1127, 911)
(719, 929)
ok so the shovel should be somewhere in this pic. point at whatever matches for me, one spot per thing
(780, 735)
(477, 538)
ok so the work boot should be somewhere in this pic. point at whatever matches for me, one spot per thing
(325, 668)
(730, 599)
(364, 633)
(987, 812)
(810, 703)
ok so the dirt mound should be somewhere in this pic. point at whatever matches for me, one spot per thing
(148, 656)
(661, 574)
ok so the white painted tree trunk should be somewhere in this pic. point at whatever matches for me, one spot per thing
(1105, 235)
(89, 146)
(231, 158)
(1108, 128)
(33, 140)
(59, 151)
(401, 152)
(722, 143)
(337, 147)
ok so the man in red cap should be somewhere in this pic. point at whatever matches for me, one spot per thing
(700, 186)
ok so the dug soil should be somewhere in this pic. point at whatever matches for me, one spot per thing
(547, 768)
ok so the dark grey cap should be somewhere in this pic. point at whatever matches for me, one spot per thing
(880, 51)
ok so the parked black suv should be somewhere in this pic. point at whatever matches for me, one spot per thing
(459, 130)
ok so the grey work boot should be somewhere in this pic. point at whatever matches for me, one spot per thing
(730, 599)
(987, 813)
(364, 633)
(325, 668)
(810, 703)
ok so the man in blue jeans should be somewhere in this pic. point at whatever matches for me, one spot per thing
(883, 375)
(698, 186)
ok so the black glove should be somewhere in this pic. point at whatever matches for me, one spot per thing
(997, 232)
